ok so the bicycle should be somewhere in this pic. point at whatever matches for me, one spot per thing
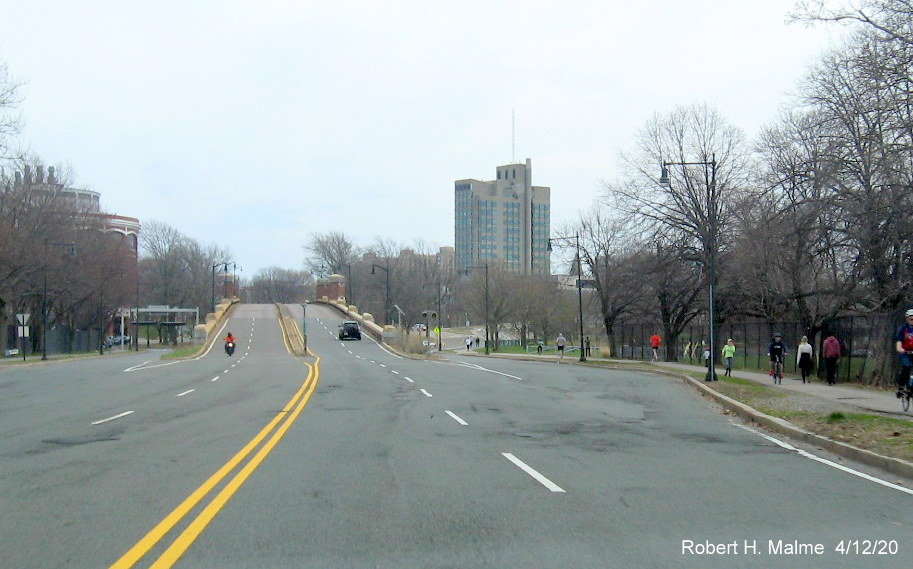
(906, 392)
(777, 369)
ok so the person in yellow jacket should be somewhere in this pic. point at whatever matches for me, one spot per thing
(728, 354)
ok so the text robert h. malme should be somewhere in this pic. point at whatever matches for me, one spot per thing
(751, 547)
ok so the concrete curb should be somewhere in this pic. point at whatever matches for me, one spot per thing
(752, 415)
(889, 464)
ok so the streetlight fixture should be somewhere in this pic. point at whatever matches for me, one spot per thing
(387, 304)
(224, 265)
(576, 239)
(487, 327)
(440, 300)
(44, 317)
(710, 246)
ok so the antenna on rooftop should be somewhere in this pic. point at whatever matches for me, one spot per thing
(513, 137)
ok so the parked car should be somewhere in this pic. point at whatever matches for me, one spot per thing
(117, 340)
(349, 330)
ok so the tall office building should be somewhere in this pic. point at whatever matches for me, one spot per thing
(506, 220)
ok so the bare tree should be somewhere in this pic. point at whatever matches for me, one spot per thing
(499, 292)
(56, 255)
(689, 217)
(891, 19)
(676, 283)
(868, 168)
(328, 251)
(274, 284)
(695, 201)
(540, 306)
(175, 269)
(609, 248)
(10, 120)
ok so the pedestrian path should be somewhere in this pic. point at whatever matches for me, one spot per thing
(868, 398)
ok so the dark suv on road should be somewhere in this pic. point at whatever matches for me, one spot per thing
(349, 330)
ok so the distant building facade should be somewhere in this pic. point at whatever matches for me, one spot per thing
(83, 201)
(506, 219)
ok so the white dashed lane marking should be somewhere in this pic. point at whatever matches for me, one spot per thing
(456, 418)
(124, 414)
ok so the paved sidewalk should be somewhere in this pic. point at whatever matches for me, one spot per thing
(868, 398)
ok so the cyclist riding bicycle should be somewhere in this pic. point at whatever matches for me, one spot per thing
(904, 339)
(777, 352)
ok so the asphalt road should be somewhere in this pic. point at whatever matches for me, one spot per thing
(360, 458)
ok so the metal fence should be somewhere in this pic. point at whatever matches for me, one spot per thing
(867, 344)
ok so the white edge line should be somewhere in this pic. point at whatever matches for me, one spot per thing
(457, 419)
(426, 393)
(124, 414)
(384, 348)
(846, 469)
(185, 393)
(532, 472)
(480, 368)
(137, 366)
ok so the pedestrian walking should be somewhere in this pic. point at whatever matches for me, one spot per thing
(804, 355)
(477, 341)
(728, 354)
(587, 344)
(560, 341)
(654, 344)
(468, 343)
(831, 352)
(539, 347)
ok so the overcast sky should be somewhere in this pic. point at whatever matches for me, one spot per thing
(260, 123)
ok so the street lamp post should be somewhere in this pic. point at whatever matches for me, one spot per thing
(387, 304)
(224, 266)
(487, 327)
(579, 287)
(44, 316)
(710, 247)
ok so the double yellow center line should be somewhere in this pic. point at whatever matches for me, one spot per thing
(275, 430)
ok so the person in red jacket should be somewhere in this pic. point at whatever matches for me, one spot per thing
(831, 352)
(654, 343)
